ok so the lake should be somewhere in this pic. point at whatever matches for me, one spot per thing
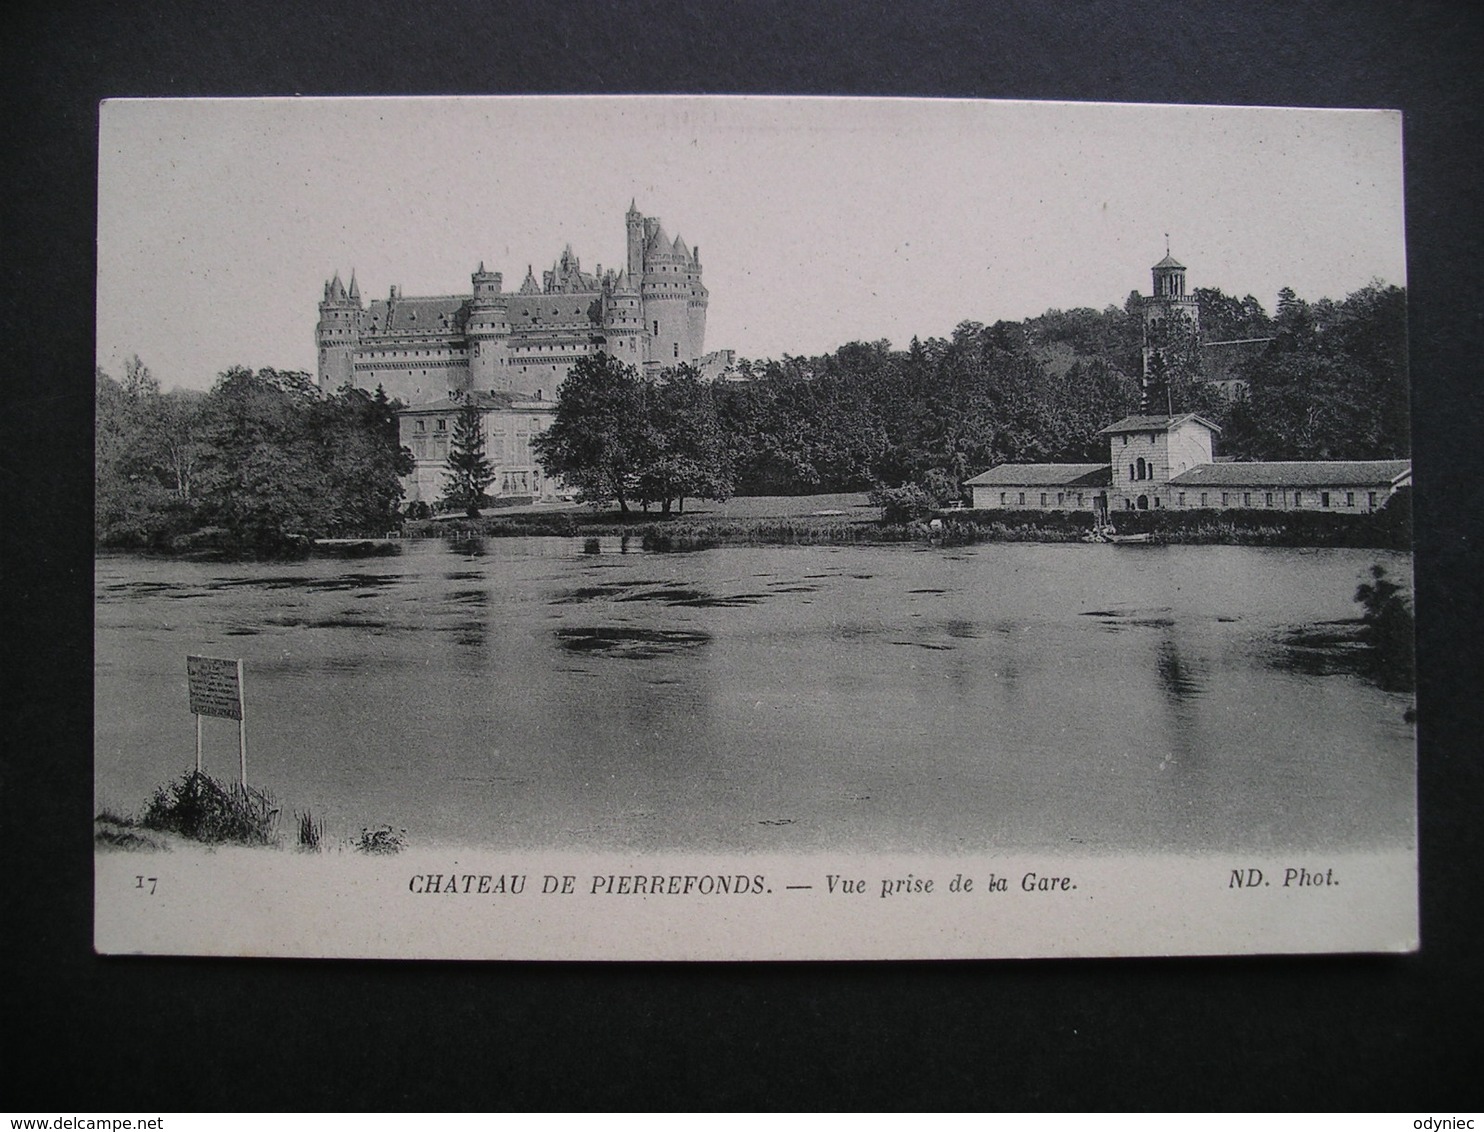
(1079, 698)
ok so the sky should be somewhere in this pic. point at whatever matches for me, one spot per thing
(819, 221)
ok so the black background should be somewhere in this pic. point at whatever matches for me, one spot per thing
(155, 1034)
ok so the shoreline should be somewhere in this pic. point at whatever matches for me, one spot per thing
(1376, 531)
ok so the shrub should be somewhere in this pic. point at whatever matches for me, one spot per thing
(902, 504)
(1388, 630)
(384, 840)
(201, 808)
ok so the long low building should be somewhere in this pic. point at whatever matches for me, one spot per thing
(1168, 462)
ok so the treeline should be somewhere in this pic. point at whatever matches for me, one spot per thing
(618, 437)
(1331, 384)
(259, 461)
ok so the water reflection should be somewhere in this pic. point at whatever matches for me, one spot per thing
(1007, 697)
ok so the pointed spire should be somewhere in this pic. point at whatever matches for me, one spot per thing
(355, 292)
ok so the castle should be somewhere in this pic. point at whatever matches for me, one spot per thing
(650, 313)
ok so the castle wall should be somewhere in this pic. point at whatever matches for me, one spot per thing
(413, 373)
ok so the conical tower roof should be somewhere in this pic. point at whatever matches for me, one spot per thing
(1167, 262)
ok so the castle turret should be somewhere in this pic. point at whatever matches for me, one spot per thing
(634, 223)
(696, 306)
(488, 331)
(338, 333)
(624, 334)
(669, 283)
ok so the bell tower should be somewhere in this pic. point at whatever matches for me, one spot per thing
(1172, 326)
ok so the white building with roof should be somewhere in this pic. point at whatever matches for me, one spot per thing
(1158, 462)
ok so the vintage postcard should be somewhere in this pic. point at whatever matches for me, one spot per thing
(751, 528)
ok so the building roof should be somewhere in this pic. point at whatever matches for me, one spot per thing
(1044, 475)
(1295, 473)
(433, 314)
(485, 399)
(1146, 423)
(1169, 261)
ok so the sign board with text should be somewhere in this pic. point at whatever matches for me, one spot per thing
(216, 686)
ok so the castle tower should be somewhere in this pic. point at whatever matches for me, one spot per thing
(670, 281)
(488, 332)
(696, 306)
(624, 334)
(338, 333)
(1172, 326)
(634, 223)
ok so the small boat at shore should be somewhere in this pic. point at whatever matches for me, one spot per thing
(1130, 540)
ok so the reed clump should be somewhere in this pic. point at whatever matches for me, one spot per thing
(200, 808)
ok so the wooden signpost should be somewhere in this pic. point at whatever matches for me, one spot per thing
(216, 689)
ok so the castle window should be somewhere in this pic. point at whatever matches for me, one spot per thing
(1371, 500)
(656, 328)
(1143, 469)
(677, 349)
(1246, 499)
(422, 426)
(1203, 499)
(1324, 499)
(1224, 498)
(441, 426)
(1043, 499)
(1125, 440)
(1350, 499)
(1298, 498)
(1022, 498)
(1004, 497)
(1180, 500)
(1130, 471)
(1268, 500)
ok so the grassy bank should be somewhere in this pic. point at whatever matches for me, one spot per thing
(849, 520)
(199, 809)
(960, 528)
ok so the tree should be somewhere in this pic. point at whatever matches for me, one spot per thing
(467, 472)
(258, 476)
(688, 456)
(600, 441)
